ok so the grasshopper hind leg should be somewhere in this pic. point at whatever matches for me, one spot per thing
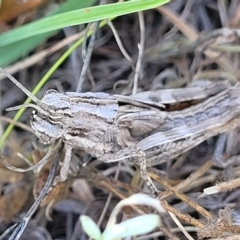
(65, 165)
(132, 155)
(143, 171)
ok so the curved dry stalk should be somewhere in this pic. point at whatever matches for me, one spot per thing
(37, 166)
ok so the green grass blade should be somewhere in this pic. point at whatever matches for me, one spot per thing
(77, 17)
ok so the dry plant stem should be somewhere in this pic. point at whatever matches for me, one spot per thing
(24, 159)
(187, 48)
(181, 24)
(119, 43)
(174, 218)
(111, 170)
(165, 230)
(222, 187)
(140, 54)
(185, 217)
(35, 58)
(235, 237)
(87, 57)
(111, 186)
(19, 228)
(185, 13)
(18, 124)
(37, 167)
(193, 176)
(85, 37)
(184, 198)
(161, 233)
(104, 211)
(222, 227)
(192, 34)
(223, 13)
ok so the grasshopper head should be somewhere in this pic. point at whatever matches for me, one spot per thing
(45, 130)
(51, 118)
(48, 119)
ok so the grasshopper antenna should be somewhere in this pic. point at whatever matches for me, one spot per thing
(24, 106)
(19, 85)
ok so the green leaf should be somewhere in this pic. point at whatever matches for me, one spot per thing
(136, 226)
(90, 227)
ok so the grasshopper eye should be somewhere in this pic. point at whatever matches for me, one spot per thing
(33, 115)
(36, 114)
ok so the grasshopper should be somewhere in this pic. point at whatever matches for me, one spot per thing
(136, 129)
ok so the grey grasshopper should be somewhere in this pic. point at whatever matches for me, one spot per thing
(136, 129)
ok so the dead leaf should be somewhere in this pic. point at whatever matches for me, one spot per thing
(11, 9)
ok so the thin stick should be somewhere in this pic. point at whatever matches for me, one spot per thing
(184, 198)
(104, 211)
(119, 43)
(87, 58)
(37, 166)
(141, 51)
(18, 124)
(19, 85)
(175, 219)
